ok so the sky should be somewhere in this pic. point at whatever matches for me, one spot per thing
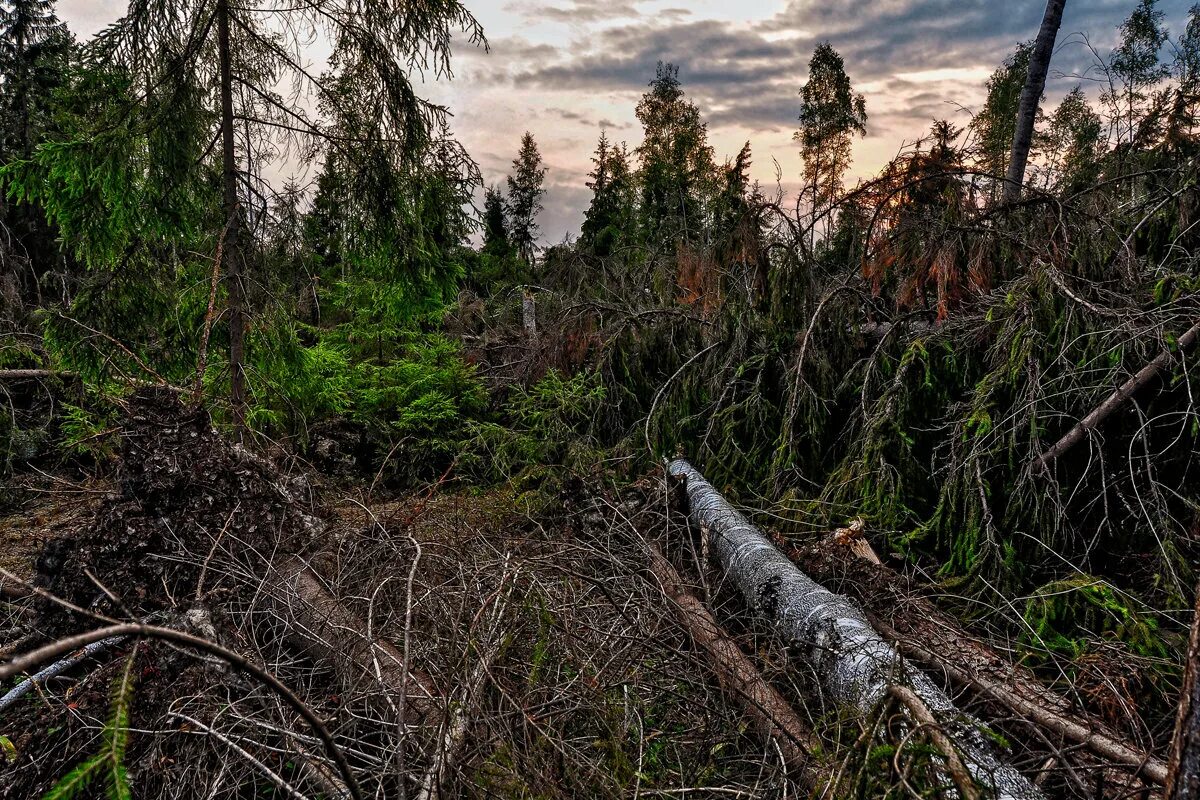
(567, 69)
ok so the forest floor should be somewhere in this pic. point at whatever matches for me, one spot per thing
(535, 653)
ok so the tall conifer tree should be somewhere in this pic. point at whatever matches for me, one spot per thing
(525, 190)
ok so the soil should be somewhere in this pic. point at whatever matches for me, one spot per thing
(178, 483)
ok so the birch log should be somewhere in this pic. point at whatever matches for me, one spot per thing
(855, 665)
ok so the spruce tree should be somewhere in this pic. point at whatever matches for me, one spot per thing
(495, 224)
(35, 50)
(229, 61)
(525, 190)
(1184, 114)
(676, 167)
(611, 209)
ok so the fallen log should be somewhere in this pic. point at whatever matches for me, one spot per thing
(33, 374)
(46, 674)
(330, 632)
(1118, 398)
(773, 717)
(855, 665)
(1183, 782)
(938, 642)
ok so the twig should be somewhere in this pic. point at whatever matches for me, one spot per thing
(954, 763)
(57, 668)
(267, 772)
(65, 645)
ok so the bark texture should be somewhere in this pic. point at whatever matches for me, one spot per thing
(938, 642)
(1031, 95)
(1183, 781)
(856, 666)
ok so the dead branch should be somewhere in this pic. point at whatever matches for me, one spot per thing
(57, 668)
(773, 717)
(954, 763)
(1118, 398)
(26, 662)
(33, 374)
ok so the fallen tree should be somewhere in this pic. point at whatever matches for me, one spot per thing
(331, 633)
(773, 717)
(938, 642)
(1119, 397)
(855, 665)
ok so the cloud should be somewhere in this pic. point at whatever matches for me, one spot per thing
(577, 12)
(749, 75)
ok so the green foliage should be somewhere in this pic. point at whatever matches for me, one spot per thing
(676, 165)
(108, 765)
(551, 422)
(525, 190)
(86, 429)
(1060, 615)
(830, 116)
(611, 212)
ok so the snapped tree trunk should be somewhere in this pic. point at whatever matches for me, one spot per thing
(855, 665)
(1031, 95)
(529, 314)
(234, 257)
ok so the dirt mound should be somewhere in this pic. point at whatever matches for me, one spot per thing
(184, 492)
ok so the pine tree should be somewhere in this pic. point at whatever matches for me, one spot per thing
(525, 190)
(830, 115)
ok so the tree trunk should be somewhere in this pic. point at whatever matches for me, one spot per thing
(330, 632)
(939, 643)
(855, 665)
(773, 717)
(1031, 95)
(529, 315)
(234, 255)
(1183, 779)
